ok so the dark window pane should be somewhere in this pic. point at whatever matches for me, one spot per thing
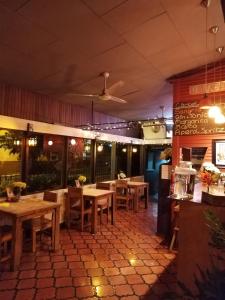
(10, 157)
(79, 159)
(121, 158)
(135, 160)
(45, 167)
(103, 161)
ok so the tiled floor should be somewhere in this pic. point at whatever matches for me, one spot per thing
(125, 261)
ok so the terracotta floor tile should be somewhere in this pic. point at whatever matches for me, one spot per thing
(99, 280)
(141, 289)
(44, 283)
(57, 258)
(27, 274)
(116, 280)
(26, 283)
(45, 273)
(130, 298)
(95, 272)
(85, 291)
(81, 281)
(111, 271)
(157, 269)
(25, 294)
(91, 264)
(134, 279)
(143, 270)
(75, 265)
(63, 281)
(121, 263)
(104, 291)
(62, 273)
(70, 251)
(150, 278)
(127, 270)
(77, 272)
(106, 264)
(150, 262)
(45, 293)
(123, 290)
(65, 292)
(60, 265)
(43, 265)
(7, 295)
(8, 275)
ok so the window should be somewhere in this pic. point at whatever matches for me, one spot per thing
(10, 157)
(79, 160)
(103, 161)
(45, 166)
(121, 158)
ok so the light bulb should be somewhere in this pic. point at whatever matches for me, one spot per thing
(134, 150)
(73, 142)
(124, 149)
(100, 148)
(214, 111)
(50, 142)
(220, 119)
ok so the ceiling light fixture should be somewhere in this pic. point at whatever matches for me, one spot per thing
(50, 142)
(73, 142)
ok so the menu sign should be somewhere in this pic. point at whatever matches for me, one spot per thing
(189, 119)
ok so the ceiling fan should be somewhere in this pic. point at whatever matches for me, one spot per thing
(105, 93)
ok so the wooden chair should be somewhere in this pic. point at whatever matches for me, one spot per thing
(5, 239)
(141, 190)
(77, 208)
(43, 223)
(103, 204)
(123, 197)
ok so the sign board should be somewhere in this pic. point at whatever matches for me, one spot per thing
(189, 119)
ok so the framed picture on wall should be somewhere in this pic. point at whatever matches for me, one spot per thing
(218, 153)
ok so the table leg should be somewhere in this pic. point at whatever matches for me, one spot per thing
(56, 228)
(113, 204)
(136, 199)
(94, 216)
(146, 196)
(16, 244)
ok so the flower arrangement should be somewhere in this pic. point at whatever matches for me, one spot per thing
(121, 175)
(209, 174)
(166, 153)
(13, 190)
(82, 179)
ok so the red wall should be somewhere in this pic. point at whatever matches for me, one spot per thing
(181, 94)
(20, 103)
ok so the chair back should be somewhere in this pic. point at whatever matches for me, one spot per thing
(121, 188)
(50, 196)
(103, 185)
(75, 197)
(137, 178)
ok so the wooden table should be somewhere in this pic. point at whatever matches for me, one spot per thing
(25, 210)
(136, 185)
(95, 195)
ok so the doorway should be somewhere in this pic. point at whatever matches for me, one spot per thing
(152, 170)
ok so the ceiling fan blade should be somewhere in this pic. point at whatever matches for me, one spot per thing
(83, 95)
(116, 85)
(130, 93)
(116, 99)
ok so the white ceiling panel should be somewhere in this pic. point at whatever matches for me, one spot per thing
(101, 7)
(154, 36)
(133, 13)
(56, 47)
